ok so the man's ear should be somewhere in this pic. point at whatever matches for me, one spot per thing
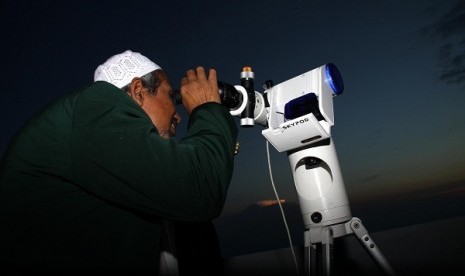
(136, 91)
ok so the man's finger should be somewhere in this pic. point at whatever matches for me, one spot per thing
(201, 73)
(191, 75)
(212, 78)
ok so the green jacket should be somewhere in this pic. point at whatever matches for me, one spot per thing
(85, 183)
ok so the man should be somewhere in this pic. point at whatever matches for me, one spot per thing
(86, 184)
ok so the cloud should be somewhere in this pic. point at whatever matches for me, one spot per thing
(450, 30)
(459, 191)
(270, 202)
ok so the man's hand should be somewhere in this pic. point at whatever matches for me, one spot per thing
(197, 88)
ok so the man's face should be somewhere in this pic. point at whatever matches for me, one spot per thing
(160, 108)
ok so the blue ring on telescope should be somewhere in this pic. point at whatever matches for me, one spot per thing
(333, 78)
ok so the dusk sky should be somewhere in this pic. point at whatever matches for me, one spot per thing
(399, 125)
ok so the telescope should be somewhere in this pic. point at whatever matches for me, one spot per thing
(298, 117)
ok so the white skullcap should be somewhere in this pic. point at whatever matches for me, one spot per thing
(120, 69)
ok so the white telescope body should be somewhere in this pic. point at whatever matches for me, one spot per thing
(298, 116)
(307, 139)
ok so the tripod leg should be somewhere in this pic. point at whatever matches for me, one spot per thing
(362, 234)
(327, 248)
(318, 257)
(310, 255)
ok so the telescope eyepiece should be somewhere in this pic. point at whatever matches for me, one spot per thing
(229, 96)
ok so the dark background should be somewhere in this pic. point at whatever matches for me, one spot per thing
(399, 126)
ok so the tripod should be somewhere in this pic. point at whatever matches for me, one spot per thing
(324, 236)
(325, 209)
